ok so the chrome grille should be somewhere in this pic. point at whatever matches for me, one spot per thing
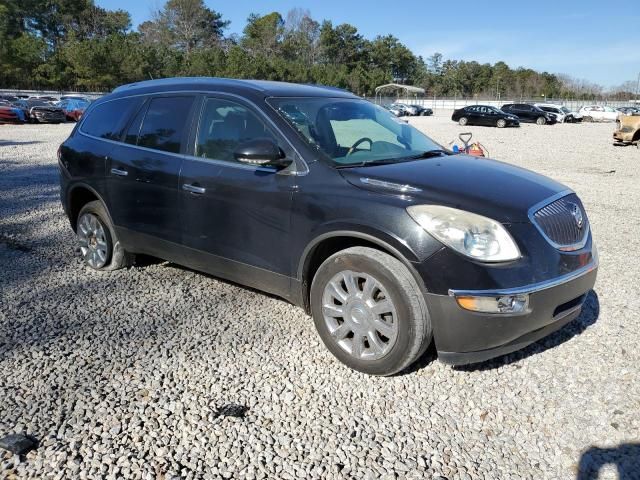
(563, 222)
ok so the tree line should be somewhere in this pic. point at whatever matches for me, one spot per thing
(75, 44)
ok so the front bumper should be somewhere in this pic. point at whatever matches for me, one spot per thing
(463, 336)
(623, 137)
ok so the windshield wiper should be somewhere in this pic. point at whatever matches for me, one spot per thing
(386, 161)
(427, 154)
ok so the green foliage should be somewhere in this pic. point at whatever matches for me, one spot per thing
(75, 44)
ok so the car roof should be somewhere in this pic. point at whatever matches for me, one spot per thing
(265, 88)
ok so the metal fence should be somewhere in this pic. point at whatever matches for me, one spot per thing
(55, 93)
(450, 103)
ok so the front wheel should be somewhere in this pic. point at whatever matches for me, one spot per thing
(99, 245)
(501, 123)
(541, 121)
(587, 119)
(369, 311)
(463, 121)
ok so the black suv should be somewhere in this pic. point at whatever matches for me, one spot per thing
(329, 201)
(529, 113)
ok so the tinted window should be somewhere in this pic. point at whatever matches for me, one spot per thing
(223, 126)
(131, 136)
(165, 124)
(108, 119)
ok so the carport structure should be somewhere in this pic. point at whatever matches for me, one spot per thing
(396, 87)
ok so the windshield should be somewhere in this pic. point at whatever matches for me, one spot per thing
(352, 132)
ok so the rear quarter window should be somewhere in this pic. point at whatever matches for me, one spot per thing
(108, 120)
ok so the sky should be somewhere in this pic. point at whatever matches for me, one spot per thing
(586, 39)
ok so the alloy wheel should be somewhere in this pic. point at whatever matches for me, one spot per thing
(93, 240)
(360, 315)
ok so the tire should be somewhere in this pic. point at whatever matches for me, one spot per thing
(463, 121)
(95, 233)
(501, 123)
(587, 119)
(541, 121)
(405, 318)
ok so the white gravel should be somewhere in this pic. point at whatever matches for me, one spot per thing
(123, 375)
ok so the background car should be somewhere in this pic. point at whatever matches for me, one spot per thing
(598, 113)
(11, 114)
(555, 110)
(409, 110)
(395, 109)
(423, 111)
(529, 113)
(627, 131)
(629, 110)
(42, 111)
(484, 115)
(47, 98)
(73, 107)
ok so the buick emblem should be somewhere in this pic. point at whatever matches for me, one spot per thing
(576, 211)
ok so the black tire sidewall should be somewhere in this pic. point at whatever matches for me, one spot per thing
(396, 359)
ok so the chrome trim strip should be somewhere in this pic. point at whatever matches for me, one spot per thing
(557, 246)
(390, 185)
(528, 289)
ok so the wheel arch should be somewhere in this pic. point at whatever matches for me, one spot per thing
(78, 196)
(326, 244)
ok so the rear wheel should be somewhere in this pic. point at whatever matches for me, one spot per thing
(369, 311)
(541, 121)
(99, 245)
(463, 121)
(501, 123)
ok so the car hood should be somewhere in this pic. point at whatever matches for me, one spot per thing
(488, 187)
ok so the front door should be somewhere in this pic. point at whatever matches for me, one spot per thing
(144, 174)
(236, 217)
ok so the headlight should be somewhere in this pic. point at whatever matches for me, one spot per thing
(472, 235)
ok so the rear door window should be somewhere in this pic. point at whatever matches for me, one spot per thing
(165, 125)
(109, 119)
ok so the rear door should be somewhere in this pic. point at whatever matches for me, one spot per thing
(525, 111)
(236, 217)
(472, 115)
(484, 117)
(143, 173)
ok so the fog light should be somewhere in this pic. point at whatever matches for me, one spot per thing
(500, 304)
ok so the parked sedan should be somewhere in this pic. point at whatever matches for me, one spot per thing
(43, 111)
(484, 115)
(629, 110)
(408, 110)
(423, 111)
(599, 113)
(388, 240)
(529, 113)
(73, 107)
(11, 114)
(396, 110)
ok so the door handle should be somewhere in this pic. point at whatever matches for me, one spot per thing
(193, 188)
(121, 173)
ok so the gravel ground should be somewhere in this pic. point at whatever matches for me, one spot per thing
(161, 372)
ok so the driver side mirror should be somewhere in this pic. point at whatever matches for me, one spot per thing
(261, 151)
